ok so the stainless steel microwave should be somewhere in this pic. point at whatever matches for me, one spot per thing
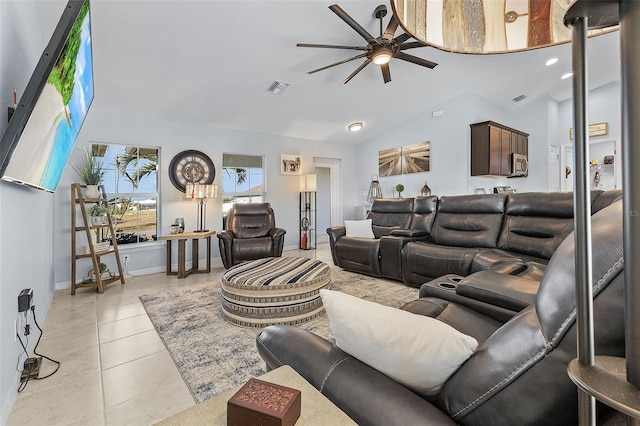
(519, 165)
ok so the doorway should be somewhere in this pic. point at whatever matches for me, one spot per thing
(554, 168)
(328, 195)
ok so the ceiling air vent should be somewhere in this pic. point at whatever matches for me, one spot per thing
(277, 87)
(519, 98)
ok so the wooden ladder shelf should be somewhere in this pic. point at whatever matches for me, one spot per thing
(85, 225)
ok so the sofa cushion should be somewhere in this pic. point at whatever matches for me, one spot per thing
(421, 357)
(424, 212)
(387, 214)
(536, 223)
(602, 199)
(359, 228)
(359, 255)
(422, 262)
(468, 220)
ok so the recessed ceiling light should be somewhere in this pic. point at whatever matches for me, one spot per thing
(551, 61)
(566, 76)
(354, 127)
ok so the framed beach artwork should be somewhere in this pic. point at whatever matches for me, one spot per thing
(290, 164)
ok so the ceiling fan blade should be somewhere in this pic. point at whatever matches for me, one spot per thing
(416, 60)
(391, 28)
(411, 45)
(402, 38)
(360, 68)
(386, 74)
(331, 46)
(337, 63)
(352, 23)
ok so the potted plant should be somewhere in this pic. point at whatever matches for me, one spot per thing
(90, 171)
(103, 269)
(399, 188)
(98, 214)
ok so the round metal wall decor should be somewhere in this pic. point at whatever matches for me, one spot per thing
(191, 166)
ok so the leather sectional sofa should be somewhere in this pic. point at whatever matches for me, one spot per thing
(419, 239)
(517, 375)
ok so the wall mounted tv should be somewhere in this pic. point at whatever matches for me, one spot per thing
(43, 129)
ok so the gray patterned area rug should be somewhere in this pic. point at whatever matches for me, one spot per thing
(214, 355)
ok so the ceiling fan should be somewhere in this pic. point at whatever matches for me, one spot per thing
(379, 50)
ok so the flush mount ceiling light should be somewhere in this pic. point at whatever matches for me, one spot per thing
(551, 61)
(354, 127)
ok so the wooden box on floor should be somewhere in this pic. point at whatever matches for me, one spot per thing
(263, 403)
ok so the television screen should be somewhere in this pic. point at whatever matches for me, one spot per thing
(43, 129)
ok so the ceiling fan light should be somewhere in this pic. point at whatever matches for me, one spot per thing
(382, 57)
(354, 127)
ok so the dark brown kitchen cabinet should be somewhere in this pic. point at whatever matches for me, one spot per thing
(492, 146)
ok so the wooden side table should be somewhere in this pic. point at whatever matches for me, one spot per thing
(317, 410)
(182, 252)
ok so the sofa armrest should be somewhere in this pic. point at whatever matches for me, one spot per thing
(225, 240)
(277, 232)
(335, 232)
(364, 394)
(225, 235)
(391, 251)
(277, 236)
(411, 233)
(507, 291)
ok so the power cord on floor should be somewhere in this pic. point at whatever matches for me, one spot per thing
(35, 349)
(127, 273)
(26, 353)
(24, 383)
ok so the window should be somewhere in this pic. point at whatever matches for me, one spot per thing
(131, 185)
(242, 179)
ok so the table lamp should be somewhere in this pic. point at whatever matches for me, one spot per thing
(201, 192)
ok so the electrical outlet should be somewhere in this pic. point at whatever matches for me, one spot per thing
(125, 258)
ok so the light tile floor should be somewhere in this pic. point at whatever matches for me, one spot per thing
(114, 370)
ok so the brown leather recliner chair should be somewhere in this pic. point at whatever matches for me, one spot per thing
(251, 233)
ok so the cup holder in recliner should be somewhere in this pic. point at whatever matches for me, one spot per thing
(447, 285)
(450, 284)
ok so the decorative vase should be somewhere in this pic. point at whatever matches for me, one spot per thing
(425, 191)
(92, 192)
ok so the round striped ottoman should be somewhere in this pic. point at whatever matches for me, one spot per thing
(275, 290)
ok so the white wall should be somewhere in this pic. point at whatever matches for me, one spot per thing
(604, 106)
(450, 138)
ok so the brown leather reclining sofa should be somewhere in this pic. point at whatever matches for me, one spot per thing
(419, 239)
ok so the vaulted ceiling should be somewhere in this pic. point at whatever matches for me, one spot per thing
(211, 62)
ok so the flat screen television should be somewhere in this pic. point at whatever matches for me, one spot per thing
(43, 129)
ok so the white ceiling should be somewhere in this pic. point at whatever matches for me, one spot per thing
(212, 61)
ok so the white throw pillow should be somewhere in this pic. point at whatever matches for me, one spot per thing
(417, 351)
(359, 228)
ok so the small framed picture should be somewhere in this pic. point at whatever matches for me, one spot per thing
(290, 164)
